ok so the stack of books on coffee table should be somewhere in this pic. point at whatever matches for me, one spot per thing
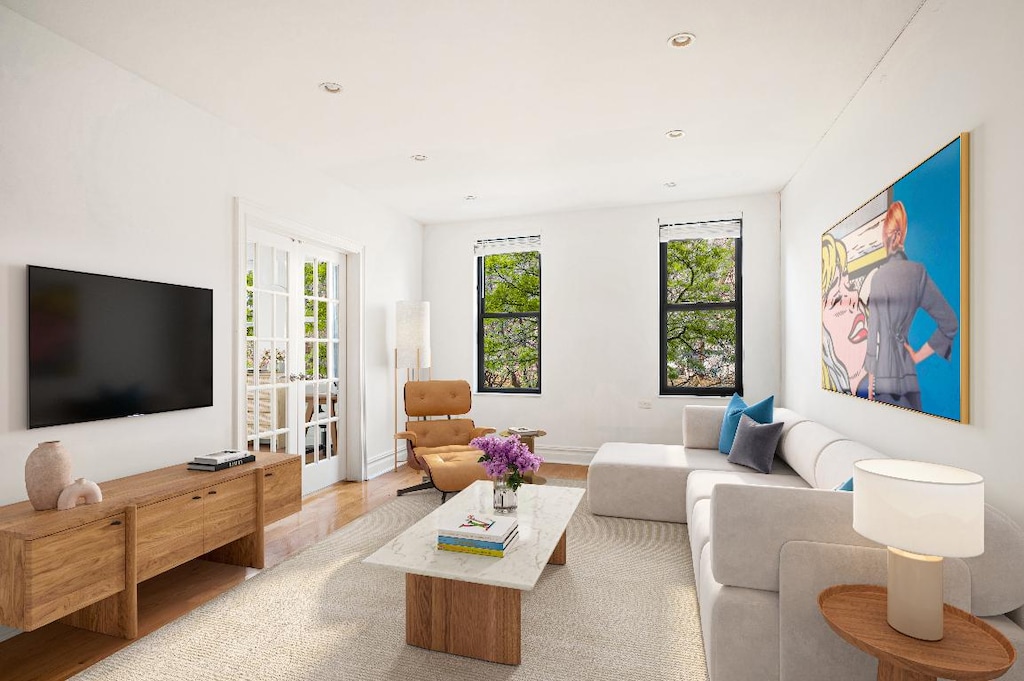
(218, 461)
(477, 533)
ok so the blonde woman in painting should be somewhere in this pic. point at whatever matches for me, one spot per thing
(843, 324)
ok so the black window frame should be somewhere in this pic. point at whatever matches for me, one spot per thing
(665, 308)
(481, 315)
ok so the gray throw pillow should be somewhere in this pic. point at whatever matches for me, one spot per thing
(754, 446)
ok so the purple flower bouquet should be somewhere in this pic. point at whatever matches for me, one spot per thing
(506, 456)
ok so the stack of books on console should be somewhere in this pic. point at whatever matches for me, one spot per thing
(218, 461)
(523, 431)
(477, 533)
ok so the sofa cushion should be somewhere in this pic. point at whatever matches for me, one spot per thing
(702, 426)
(835, 465)
(996, 585)
(698, 527)
(802, 444)
(755, 443)
(701, 483)
(762, 412)
(647, 481)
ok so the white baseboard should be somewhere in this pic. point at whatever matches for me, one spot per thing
(384, 462)
(580, 456)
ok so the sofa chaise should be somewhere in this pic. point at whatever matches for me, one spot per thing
(764, 546)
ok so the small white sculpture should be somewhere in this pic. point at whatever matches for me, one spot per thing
(81, 490)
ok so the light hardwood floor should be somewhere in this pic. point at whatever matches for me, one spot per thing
(58, 651)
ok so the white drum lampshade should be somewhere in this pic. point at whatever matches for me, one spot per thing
(922, 512)
(412, 334)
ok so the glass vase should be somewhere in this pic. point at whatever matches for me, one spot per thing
(506, 499)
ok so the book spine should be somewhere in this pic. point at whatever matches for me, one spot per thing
(473, 550)
(220, 466)
(459, 534)
(472, 543)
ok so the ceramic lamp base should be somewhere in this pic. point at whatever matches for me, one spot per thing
(915, 594)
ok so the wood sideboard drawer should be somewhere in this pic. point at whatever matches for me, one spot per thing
(230, 511)
(169, 533)
(72, 569)
(282, 490)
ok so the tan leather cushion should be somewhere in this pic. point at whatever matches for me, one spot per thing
(452, 468)
(437, 398)
(441, 432)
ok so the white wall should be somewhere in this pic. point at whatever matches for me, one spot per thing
(599, 324)
(101, 171)
(956, 68)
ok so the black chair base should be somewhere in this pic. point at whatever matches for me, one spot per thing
(416, 488)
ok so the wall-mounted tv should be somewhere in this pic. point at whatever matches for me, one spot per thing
(102, 347)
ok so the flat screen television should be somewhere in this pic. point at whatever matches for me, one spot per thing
(102, 347)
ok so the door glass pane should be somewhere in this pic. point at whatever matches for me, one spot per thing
(310, 360)
(265, 266)
(281, 270)
(309, 278)
(281, 317)
(310, 319)
(321, 319)
(333, 279)
(321, 277)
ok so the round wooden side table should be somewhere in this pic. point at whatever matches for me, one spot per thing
(530, 441)
(970, 650)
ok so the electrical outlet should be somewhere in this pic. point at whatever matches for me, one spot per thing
(645, 404)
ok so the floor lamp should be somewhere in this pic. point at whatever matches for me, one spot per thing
(412, 346)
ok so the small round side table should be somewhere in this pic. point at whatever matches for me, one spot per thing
(529, 441)
(970, 650)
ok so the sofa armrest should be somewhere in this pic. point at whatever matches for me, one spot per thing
(407, 435)
(750, 524)
(702, 426)
(480, 432)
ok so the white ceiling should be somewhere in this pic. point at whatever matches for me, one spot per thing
(531, 105)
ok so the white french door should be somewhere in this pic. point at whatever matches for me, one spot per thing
(295, 353)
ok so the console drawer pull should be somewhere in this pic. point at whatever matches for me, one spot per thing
(268, 475)
(212, 491)
(115, 522)
(196, 498)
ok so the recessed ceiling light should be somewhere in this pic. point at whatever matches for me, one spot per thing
(418, 157)
(681, 40)
(670, 184)
(332, 88)
(470, 197)
(675, 134)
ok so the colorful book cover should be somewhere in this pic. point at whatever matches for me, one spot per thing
(478, 526)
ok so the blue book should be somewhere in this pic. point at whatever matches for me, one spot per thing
(477, 543)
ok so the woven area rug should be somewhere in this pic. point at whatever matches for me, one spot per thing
(623, 607)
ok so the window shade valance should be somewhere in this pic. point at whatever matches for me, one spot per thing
(512, 244)
(729, 228)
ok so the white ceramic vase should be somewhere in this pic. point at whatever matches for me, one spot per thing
(47, 473)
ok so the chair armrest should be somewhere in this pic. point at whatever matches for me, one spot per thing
(702, 426)
(480, 432)
(750, 524)
(406, 435)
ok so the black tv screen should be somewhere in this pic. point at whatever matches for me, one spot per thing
(102, 347)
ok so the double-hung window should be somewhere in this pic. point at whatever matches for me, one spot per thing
(701, 308)
(508, 315)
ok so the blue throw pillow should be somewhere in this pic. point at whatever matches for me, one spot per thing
(762, 412)
(846, 486)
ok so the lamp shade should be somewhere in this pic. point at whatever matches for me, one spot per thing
(412, 333)
(921, 507)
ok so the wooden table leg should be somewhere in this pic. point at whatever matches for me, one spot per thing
(558, 555)
(463, 618)
(888, 671)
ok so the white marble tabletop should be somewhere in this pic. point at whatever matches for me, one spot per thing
(544, 512)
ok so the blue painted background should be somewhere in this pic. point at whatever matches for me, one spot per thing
(931, 195)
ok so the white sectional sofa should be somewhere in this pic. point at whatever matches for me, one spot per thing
(764, 546)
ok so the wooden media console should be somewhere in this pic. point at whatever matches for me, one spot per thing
(82, 566)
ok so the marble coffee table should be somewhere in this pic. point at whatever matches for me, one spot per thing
(470, 605)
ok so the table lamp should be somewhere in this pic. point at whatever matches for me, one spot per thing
(921, 512)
